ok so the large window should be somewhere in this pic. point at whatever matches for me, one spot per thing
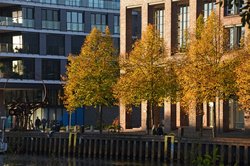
(17, 42)
(235, 35)
(232, 7)
(50, 69)
(136, 24)
(50, 19)
(116, 25)
(99, 21)
(55, 44)
(17, 16)
(208, 8)
(76, 44)
(159, 20)
(75, 21)
(17, 68)
(183, 27)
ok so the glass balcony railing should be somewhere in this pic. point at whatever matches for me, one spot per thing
(18, 48)
(116, 29)
(16, 22)
(99, 4)
(102, 28)
(55, 25)
(75, 27)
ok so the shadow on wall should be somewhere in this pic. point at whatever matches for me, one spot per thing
(91, 115)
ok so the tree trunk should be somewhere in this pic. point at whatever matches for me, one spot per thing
(100, 118)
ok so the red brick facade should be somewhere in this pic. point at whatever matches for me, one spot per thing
(173, 116)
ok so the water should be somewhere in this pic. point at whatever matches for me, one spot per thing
(28, 160)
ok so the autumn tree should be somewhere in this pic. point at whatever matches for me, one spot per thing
(91, 75)
(243, 80)
(146, 74)
(205, 72)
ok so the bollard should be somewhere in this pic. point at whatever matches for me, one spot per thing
(171, 137)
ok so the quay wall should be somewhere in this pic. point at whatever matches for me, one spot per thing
(129, 147)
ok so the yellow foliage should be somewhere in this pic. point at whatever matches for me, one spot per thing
(243, 77)
(147, 74)
(91, 75)
(203, 72)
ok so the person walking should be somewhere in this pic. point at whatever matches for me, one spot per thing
(44, 122)
(37, 123)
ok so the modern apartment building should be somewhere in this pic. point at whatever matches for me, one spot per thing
(173, 18)
(36, 36)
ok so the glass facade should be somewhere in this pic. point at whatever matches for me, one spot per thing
(36, 37)
(99, 21)
(183, 27)
(100, 4)
(159, 21)
(75, 21)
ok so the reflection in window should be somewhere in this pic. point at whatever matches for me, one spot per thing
(96, 3)
(50, 19)
(208, 8)
(116, 25)
(235, 35)
(136, 24)
(159, 21)
(99, 21)
(75, 21)
(51, 69)
(183, 27)
(233, 6)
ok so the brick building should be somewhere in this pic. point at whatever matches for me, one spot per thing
(172, 18)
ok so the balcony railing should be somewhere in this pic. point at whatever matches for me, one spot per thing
(16, 22)
(100, 27)
(116, 29)
(55, 25)
(18, 48)
(75, 27)
(100, 4)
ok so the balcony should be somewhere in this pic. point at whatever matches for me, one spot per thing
(54, 25)
(16, 22)
(79, 27)
(101, 4)
(18, 48)
(102, 28)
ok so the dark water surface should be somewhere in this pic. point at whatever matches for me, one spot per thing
(28, 160)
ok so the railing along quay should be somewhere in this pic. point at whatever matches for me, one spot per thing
(128, 147)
